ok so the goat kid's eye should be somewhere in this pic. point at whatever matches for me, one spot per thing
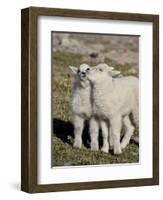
(87, 69)
(100, 70)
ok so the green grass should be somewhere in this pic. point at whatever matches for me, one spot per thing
(63, 153)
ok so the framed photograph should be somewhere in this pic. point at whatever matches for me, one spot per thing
(90, 99)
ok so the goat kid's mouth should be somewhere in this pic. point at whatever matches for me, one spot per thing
(83, 75)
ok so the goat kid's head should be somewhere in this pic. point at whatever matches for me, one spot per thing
(81, 71)
(101, 72)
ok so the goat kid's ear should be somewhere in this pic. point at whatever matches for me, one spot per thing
(114, 73)
(74, 69)
(111, 68)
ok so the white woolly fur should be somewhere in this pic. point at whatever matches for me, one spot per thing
(82, 110)
(113, 99)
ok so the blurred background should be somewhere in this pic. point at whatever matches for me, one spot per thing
(96, 48)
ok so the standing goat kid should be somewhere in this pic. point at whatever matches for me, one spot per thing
(82, 110)
(113, 101)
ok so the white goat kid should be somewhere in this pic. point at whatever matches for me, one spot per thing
(113, 101)
(82, 110)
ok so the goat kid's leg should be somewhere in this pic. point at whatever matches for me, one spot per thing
(116, 124)
(94, 133)
(129, 129)
(135, 113)
(78, 130)
(104, 129)
(111, 143)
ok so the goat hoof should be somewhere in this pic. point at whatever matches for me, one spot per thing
(123, 145)
(94, 148)
(117, 152)
(105, 150)
(77, 145)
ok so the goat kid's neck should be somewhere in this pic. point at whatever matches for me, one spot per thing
(103, 86)
(84, 84)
